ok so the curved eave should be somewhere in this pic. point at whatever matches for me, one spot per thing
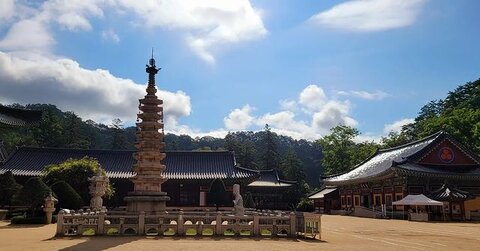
(386, 174)
(415, 173)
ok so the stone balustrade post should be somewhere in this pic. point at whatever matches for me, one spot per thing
(101, 223)
(256, 223)
(293, 225)
(141, 223)
(60, 223)
(218, 226)
(180, 223)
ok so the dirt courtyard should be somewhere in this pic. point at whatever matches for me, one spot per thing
(338, 233)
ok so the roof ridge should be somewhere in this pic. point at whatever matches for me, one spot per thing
(432, 136)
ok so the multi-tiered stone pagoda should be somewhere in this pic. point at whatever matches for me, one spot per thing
(147, 195)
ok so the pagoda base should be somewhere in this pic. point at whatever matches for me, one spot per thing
(150, 203)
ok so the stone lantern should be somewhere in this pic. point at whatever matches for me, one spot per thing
(49, 207)
(98, 188)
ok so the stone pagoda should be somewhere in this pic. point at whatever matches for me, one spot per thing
(147, 195)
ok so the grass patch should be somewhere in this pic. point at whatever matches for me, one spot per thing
(113, 231)
(265, 232)
(229, 232)
(207, 231)
(169, 232)
(245, 232)
(88, 232)
(191, 232)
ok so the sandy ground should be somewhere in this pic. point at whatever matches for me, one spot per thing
(338, 233)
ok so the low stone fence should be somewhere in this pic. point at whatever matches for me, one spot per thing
(189, 224)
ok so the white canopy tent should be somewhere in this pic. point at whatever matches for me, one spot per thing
(418, 200)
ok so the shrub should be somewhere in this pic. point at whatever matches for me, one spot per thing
(305, 205)
(32, 194)
(75, 172)
(16, 220)
(67, 196)
(249, 203)
(8, 187)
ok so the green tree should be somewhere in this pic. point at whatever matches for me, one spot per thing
(8, 188)
(49, 131)
(32, 194)
(75, 172)
(270, 158)
(340, 151)
(73, 134)
(118, 138)
(67, 196)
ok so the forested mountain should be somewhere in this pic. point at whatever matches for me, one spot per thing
(255, 150)
(301, 160)
(458, 114)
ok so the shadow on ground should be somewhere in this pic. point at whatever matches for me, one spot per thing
(98, 243)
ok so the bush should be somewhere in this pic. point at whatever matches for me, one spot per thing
(75, 172)
(67, 196)
(32, 194)
(305, 205)
(16, 220)
(8, 187)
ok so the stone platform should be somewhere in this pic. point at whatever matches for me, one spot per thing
(150, 203)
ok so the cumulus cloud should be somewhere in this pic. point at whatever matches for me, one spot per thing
(27, 35)
(397, 125)
(312, 97)
(239, 119)
(370, 15)
(376, 95)
(206, 24)
(93, 94)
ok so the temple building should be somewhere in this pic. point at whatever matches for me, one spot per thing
(189, 174)
(437, 166)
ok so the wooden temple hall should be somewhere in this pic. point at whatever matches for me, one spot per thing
(438, 166)
(190, 175)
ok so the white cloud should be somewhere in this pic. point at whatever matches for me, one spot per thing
(397, 125)
(93, 94)
(239, 119)
(288, 105)
(29, 35)
(332, 114)
(7, 10)
(110, 35)
(312, 98)
(206, 24)
(376, 95)
(370, 15)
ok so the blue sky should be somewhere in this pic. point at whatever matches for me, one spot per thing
(300, 66)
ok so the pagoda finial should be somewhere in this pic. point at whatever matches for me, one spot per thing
(151, 70)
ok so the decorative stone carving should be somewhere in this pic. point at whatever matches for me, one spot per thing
(147, 195)
(238, 201)
(49, 207)
(98, 188)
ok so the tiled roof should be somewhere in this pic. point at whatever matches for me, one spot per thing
(18, 117)
(447, 193)
(269, 178)
(381, 162)
(30, 161)
(320, 194)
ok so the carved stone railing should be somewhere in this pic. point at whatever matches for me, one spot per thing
(267, 224)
